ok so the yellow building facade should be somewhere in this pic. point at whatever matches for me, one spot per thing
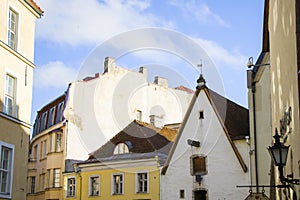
(16, 70)
(98, 181)
(47, 153)
(126, 167)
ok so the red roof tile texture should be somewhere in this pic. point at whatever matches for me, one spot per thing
(35, 6)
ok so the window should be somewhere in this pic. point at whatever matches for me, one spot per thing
(50, 143)
(10, 95)
(59, 112)
(51, 117)
(6, 169)
(94, 189)
(201, 114)
(58, 142)
(139, 115)
(200, 195)
(45, 149)
(121, 148)
(32, 184)
(71, 187)
(142, 182)
(44, 121)
(42, 182)
(35, 151)
(198, 165)
(12, 29)
(181, 194)
(117, 184)
(56, 178)
(48, 178)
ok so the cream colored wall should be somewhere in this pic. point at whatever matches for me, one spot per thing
(16, 132)
(26, 26)
(17, 135)
(284, 88)
(129, 174)
(52, 161)
(263, 128)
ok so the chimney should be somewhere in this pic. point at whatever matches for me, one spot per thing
(161, 81)
(157, 121)
(144, 71)
(109, 64)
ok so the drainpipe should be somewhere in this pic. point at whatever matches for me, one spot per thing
(251, 85)
(254, 130)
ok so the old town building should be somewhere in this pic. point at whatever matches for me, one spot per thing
(17, 30)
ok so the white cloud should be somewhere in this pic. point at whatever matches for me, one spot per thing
(198, 10)
(222, 56)
(54, 74)
(92, 21)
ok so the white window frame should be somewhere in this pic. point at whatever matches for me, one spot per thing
(139, 115)
(10, 178)
(121, 148)
(14, 111)
(56, 178)
(113, 183)
(90, 185)
(17, 12)
(68, 187)
(137, 188)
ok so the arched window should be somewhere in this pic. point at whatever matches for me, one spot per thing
(121, 148)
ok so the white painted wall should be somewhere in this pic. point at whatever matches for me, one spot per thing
(98, 109)
(224, 170)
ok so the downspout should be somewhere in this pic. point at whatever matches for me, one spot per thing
(254, 129)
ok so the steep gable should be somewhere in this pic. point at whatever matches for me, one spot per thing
(232, 117)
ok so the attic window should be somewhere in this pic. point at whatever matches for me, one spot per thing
(201, 114)
(198, 165)
(121, 148)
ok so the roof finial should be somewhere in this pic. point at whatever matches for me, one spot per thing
(201, 81)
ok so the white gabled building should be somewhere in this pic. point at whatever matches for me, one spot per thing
(209, 158)
(100, 106)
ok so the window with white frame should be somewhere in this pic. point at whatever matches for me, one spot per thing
(12, 28)
(10, 95)
(139, 115)
(6, 169)
(56, 178)
(117, 184)
(121, 148)
(71, 187)
(142, 182)
(94, 186)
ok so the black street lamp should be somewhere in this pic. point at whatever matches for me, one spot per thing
(279, 153)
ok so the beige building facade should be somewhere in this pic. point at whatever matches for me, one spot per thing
(276, 77)
(16, 70)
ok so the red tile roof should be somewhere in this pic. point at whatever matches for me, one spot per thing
(34, 6)
(183, 88)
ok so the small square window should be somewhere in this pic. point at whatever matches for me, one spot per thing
(201, 115)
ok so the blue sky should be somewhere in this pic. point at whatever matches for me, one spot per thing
(72, 30)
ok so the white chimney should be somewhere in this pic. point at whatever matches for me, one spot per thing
(144, 71)
(109, 64)
(161, 81)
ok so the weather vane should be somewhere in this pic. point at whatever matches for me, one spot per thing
(200, 66)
